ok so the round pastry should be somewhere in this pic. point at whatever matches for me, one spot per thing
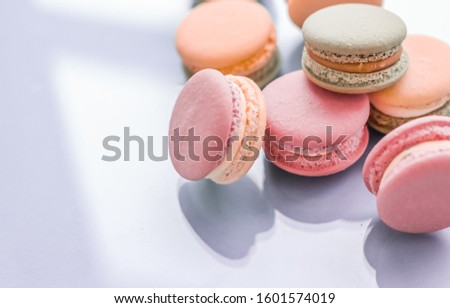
(217, 127)
(312, 131)
(409, 172)
(354, 48)
(234, 37)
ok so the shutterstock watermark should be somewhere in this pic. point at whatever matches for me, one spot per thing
(193, 147)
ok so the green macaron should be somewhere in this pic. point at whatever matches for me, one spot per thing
(354, 48)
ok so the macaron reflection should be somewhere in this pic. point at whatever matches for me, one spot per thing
(316, 200)
(408, 260)
(226, 218)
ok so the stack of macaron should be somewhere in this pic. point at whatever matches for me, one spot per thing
(350, 50)
(359, 69)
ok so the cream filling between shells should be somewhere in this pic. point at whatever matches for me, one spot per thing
(354, 80)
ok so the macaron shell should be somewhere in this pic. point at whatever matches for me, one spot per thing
(416, 198)
(426, 82)
(296, 107)
(343, 29)
(299, 10)
(425, 129)
(222, 34)
(205, 104)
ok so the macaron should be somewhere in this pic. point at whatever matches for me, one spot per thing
(354, 48)
(217, 127)
(423, 91)
(299, 10)
(312, 131)
(409, 172)
(234, 37)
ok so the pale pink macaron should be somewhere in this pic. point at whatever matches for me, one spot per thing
(409, 172)
(299, 10)
(312, 131)
(217, 127)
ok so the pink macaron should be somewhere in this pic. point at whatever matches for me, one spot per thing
(217, 127)
(409, 172)
(312, 131)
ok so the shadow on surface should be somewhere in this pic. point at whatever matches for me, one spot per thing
(408, 260)
(317, 200)
(321, 199)
(226, 218)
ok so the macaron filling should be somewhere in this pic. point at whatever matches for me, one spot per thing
(323, 157)
(362, 64)
(355, 80)
(428, 132)
(418, 152)
(229, 169)
(340, 58)
(237, 114)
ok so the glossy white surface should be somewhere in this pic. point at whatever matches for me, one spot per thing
(73, 72)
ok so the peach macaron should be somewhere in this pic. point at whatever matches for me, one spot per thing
(234, 37)
(424, 90)
(299, 10)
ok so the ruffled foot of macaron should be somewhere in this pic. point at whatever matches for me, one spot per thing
(409, 172)
(217, 127)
